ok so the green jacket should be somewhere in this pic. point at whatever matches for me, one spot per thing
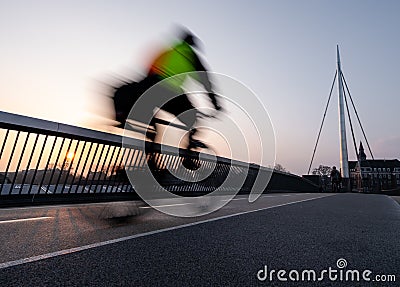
(179, 59)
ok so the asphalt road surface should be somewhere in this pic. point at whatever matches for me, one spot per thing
(243, 244)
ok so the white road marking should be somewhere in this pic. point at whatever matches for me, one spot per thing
(277, 195)
(103, 243)
(76, 205)
(273, 195)
(166, 205)
(25, 219)
(234, 199)
(244, 198)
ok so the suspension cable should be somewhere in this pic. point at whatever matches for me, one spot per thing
(358, 118)
(323, 119)
(351, 124)
(352, 133)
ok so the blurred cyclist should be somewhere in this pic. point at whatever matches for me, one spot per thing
(179, 59)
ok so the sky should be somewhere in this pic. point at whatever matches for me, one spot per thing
(56, 57)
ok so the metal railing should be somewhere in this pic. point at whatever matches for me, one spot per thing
(48, 162)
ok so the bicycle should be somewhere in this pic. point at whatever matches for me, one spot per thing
(195, 145)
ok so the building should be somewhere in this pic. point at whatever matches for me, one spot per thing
(374, 175)
(4, 179)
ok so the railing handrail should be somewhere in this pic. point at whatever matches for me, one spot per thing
(97, 164)
(30, 124)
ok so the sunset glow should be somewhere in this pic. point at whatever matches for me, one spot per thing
(70, 155)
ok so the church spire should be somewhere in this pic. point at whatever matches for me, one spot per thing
(361, 154)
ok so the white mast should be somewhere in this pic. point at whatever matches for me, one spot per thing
(344, 161)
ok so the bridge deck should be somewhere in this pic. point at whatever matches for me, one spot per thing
(228, 247)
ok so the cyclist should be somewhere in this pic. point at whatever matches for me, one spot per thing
(180, 58)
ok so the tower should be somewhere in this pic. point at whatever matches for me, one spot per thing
(361, 154)
(344, 159)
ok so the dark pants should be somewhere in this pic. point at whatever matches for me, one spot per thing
(175, 103)
(182, 108)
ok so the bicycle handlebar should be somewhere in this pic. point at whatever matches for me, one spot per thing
(200, 114)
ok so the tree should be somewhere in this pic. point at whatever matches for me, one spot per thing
(279, 167)
(322, 170)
